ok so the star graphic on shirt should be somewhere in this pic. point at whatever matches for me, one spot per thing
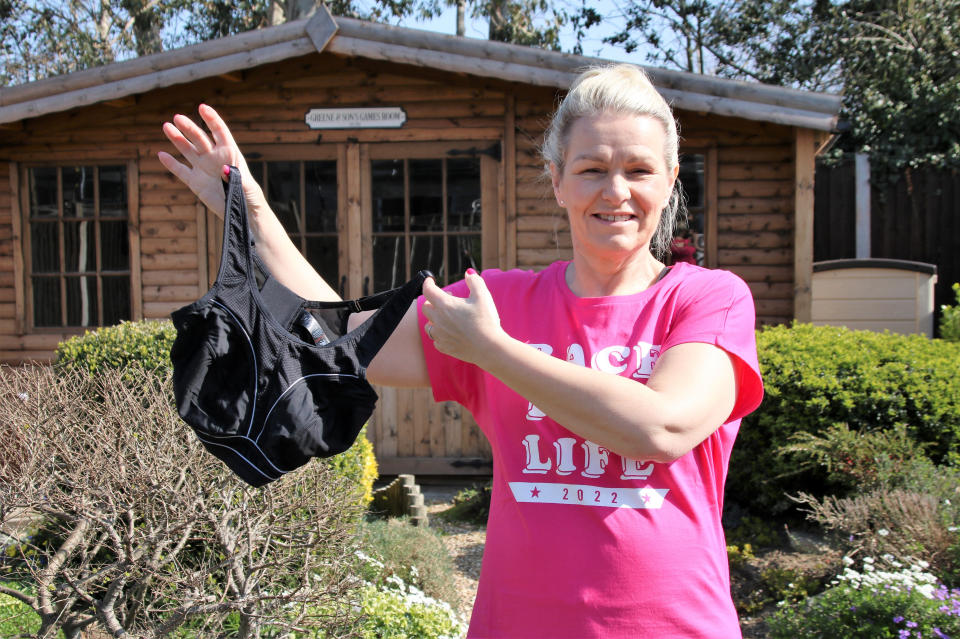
(535, 492)
(645, 498)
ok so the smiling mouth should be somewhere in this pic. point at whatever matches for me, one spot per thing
(614, 218)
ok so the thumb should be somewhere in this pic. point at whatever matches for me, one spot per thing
(477, 287)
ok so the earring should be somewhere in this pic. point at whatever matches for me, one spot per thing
(562, 203)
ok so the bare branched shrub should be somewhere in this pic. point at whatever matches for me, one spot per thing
(126, 523)
(901, 522)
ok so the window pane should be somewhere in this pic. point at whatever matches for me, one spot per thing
(387, 191)
(284, 194)
(464, 252)
(426, 195)
(46, 301)
(426, 252)
(389, 263)
(44, 247)
(81, 301)
(256, 170)
(78, 191)
(321, 195)
(114, 246)
(43, 192)
(691, 178)
(463, 194)
(79, 247)
(113, 191)
(116, 299)
(322, 254)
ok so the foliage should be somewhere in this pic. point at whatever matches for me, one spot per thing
(16, 618)
(885, 600)
(895, 62)
(399, 612)
(415, 554)
(950, 318)
(817, 377)
(858, 460)
(145, 343)
(471, 504)
(141, 530)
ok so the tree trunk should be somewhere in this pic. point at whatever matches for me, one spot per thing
(461, 17)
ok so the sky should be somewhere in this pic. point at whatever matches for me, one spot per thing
(592, 46)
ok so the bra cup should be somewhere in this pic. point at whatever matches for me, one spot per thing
(213, 355)
(318, 416)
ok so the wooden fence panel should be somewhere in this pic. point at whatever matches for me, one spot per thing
(913, 217)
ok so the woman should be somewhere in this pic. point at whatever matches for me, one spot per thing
(610, 388)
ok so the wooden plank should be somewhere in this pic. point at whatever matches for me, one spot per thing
(16, 357)
(754, 222)
(160, 310)
(510, 172)
(169, 212)
(727, 258)
(757, 239)
(421, 426)
(805, 166)
(166, 262)
(405, 423)
(755, 205)
(175, 228)
(133, 233)
(467, 466)
(755, 189)
(755, 171)
(183, 294)
(543, 223)
(32, 342)
(491, 211)
(539, 240)
(711, 200)
(18, 269)
(386, 442)
(453, 428)
(171, 278)
(169, 245)
(763, 273)
(354, 195)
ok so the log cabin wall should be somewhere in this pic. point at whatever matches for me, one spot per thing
(174, 241)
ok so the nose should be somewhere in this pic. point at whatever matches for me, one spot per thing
(617, 189)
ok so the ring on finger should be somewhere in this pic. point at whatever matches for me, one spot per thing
(430, 331)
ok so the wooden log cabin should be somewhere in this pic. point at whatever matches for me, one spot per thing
(383, 150)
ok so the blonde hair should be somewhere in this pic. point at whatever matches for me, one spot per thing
(621, 89)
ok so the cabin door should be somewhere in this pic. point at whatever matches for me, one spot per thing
(427, 206)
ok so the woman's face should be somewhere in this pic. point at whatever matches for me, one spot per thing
(614, 183)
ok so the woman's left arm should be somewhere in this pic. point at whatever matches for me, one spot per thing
(691, 392)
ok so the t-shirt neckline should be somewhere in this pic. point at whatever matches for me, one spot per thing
(568, 294)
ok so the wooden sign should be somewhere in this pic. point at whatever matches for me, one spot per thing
(356, 118)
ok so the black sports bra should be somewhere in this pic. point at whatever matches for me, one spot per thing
(266, 379)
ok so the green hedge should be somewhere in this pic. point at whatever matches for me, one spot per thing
(147, 343)
(819, 376)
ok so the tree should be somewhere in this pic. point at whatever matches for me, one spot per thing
(123, 521)
(896, 62)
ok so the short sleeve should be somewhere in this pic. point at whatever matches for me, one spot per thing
(451, 379)
(718, 309)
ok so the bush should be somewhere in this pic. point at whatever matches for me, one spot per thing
(891, 600)
(400, 612)
(147, 344)
(817, 377)
(950, 318)
(415, 554)
(143, 531)
(471, 505)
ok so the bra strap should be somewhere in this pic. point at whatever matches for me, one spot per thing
(235, 262)
(370, 336)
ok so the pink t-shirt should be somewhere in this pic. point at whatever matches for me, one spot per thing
(581, 542)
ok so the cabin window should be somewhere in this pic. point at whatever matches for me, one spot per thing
(690, 239)
(304, 197)
(77, 236)
(426, 215)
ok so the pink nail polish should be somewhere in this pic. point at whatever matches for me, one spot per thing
(226, 170)
(470, 271)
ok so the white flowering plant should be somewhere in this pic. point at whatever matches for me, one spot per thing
(884, 597)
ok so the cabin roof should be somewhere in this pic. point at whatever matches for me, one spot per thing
(359, 38)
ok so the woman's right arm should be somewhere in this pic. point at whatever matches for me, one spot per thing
(204, 175)
(400, 362)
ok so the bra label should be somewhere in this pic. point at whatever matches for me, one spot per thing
(310, 323)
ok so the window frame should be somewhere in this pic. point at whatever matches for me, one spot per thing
(710, 199)
(24, 260)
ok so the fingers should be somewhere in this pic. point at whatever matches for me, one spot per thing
(193, 133)
(218, 128)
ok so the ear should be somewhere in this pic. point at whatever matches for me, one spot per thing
(555, 179)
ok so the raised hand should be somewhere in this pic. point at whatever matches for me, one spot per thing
(206, 158)
(464, 328)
